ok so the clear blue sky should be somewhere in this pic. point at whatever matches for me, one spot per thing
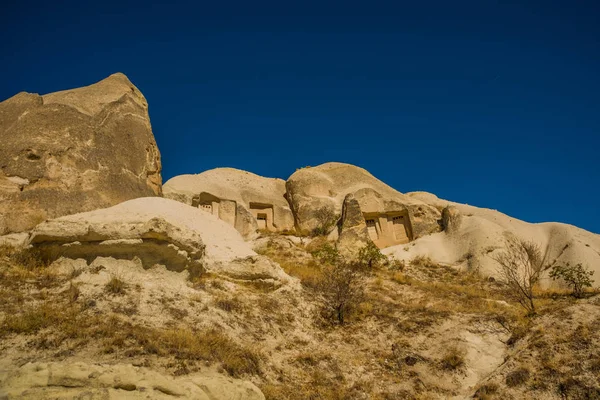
(495, 104)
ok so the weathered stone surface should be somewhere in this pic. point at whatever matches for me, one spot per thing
(451, 219)
(326, 186)
(246, 201)
(79, 380)
(155, 231)
(354, 234)
(73, 151)
(251, 268)
(482, 234)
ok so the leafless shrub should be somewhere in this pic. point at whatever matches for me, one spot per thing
(520, 267)
(341, 289)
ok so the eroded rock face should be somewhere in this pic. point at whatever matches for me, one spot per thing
(74, 151)
(451, 219)
(63, 380)
(474, 236)
(391, 217)
(244, 200)
(354, 234)
(155, 231)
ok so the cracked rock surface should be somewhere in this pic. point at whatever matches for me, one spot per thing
(73, 151)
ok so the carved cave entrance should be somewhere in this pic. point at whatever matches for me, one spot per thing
(388, 229)
(263, 213)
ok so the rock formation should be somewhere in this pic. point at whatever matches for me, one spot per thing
(391, 217)
(451, 219)
(354, 232)
(155, 231)
(244, 200)
(478, 233)
(73, 151)
(56, 380)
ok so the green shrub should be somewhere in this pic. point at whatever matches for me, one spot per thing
(576, 276)
(370, 255)
(327, 254)
(326, 219)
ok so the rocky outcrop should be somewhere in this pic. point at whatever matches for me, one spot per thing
(451, 219)
(391, 217)
(354, 234)
(155, 231)
(74, 151)
(79, 380)
(244, 200)
(474, 236)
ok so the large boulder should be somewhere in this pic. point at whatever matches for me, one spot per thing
(80, 380)
(391, 217)
(73, 151)
(242, 199)
(154, 231)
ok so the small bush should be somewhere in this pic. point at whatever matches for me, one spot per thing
(370, 255)
(484, 392)
(326, 219)
(116, 285)
(396, 265)
(341, 290)
(573, 388)
(517, 377)
(453, 359)
(327, 254)
(520, 267)
(576, 276)
(421, 262)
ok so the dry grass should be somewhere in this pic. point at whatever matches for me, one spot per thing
(210, 345)
(228, 304)
(453, 359)
(401, 303)
(318, 386)
(33, 318)
(77, 325)
(116, 285)
(517, 377)
(307, 270)
(486, 392)
(422, 262)
(25, 267)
